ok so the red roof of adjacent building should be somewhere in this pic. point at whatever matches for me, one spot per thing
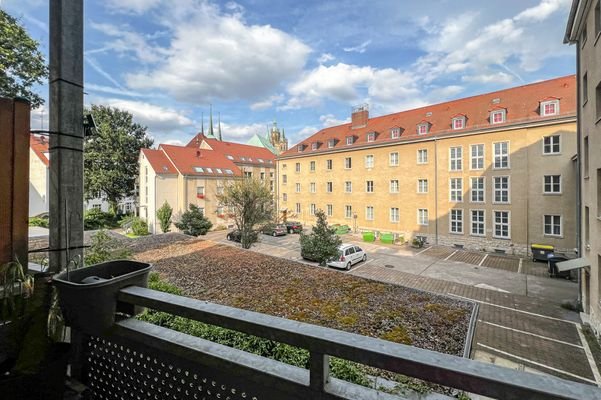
(196, 161)
(239, 153)
(522, 104)
(159, 162)
(39, 145)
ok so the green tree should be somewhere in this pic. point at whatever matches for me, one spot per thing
(323, 242)
(164, 216)
(251, 203)
(111, 154)
(21, 63)
(193, 222)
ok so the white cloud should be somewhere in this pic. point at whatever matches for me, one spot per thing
(440, 94)
(330, 120)
(358, 49)
(132, 6)
(241, 132)
(92, 87)
(175, 142)
(325, 57)
(496, 77)
(267, 103)
(542, 11)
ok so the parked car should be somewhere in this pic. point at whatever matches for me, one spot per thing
(294, 227)
(274, 230)
(236, 236)
(348, 255)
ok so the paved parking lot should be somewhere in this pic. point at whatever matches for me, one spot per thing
(520, 322)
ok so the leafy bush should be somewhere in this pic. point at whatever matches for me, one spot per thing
(97, 219)
(105, 248)
(193, 222)
(322, 243)
(37, 221)
(139, 227)
(164, 216)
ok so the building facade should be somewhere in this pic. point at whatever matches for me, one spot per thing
(196, 174)
(492, 172)
(275, 140)
(583, 30)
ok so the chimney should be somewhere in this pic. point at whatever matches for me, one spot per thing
(359, 116)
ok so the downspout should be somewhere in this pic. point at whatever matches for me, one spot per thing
(436, 188)
(579, 169)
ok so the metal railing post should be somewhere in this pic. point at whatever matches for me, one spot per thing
(319, 371)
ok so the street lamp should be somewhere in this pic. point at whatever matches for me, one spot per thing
(355, 222)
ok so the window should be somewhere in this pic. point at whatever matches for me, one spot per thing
(458, 122)
(551, 144)
(501, 153)
(261, 176)
(477, 190)
(369, 213)
(300, 148)
(553, 225)
(456, 158)
(550, 107)
(348, 186)
(598, 98)
(371, 136)
(478, 223)
(349, 140)
(314, 146)
(422, 129)
(477, 156)
(597, 18)
(422, 216)
(348, 212)
(584, 35)
(552, 184)
(369, 161)
(330, 210)
(284, 179)
(96, 206)
(284, 196)
(312, 209)
(219, 189)
(394, 214)
(586, 152)
(585, 88)
(599, 193)
(422, 186)
(312, 187)
(229, 172)
(394, 186)
(247, 174)
(312, 166)
(297, 167)
(456, 192)
(348, 163)
(422, 156)
(298, 187)
(329, 187)
(497, 117)
(200, 191)
(395, 133)
(298, 208)
(329, 165)
(369, 186)
(501, 189)
(456, 221)
(394, 159)
(331, 143)
(501, 225)
(196, 169)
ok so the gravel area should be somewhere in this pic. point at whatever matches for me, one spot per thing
(227, 275)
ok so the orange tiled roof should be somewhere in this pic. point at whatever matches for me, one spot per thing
(39, 145)
(239, 153)
(194, 161)
(520, 103)
(159, 161)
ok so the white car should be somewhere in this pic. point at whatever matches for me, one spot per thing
(348, 254)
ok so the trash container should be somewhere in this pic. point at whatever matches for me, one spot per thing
(541, 251)
(552, 260)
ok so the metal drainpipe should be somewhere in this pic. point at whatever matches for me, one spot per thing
(578, 169)
(436, 188)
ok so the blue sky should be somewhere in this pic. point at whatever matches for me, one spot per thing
(302, 63)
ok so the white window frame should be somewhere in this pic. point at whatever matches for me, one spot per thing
(369, 164)
(421, 213)
(552, 225)
(329, 210)
(331, 143)
(494, 224)
(457, 120)
(390, 159)
(497, 112)
(425, 127)
(348, 187)
(349, 140)
(481, 190)
(501, 155)
(300, 148)
(367, 186)
(298, 208)
(348, 211)
(552, 183)
(369, 213)
(456, 159)
(312, 187)
(312, 209)
(551, 144)
(397, 186)
(371, 137)
(329, 187)
(284, 196)
(312, 166)
(477, 158)
(314, 146)
(422, 160)
(348, 163)
(456, 211)
(543, 112)
(457, 191)
(495, 190)
(420, 187)
(297, 167)
(395, 133)
(329, 165)
(482, 222)
(297, 188)
(395, 216)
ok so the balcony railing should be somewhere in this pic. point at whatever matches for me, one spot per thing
(140, 360)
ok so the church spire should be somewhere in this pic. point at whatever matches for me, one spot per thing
(202, 123)
(283, 134)
(219, 128)
(211, 133)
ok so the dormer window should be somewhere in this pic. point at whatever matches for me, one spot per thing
(423, 128)
(371, 136)
(350, 140)
(395, 133)
(497, 116)
(458, 122)
(549, 107)
(314, 146)
(331, 143)
(300, 148)
(230, 157)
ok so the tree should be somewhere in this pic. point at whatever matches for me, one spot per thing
(251, 203)
(193, 222)
(164, 216)
(111, 154)
(322, 243)
(21, 63)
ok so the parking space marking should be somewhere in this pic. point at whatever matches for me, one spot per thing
(482, 261)
(537, 363)
(531, 334)
(513, 309)
(423, 251)
(452, 254)
(520, 266)
(589, 355)
(362, 265)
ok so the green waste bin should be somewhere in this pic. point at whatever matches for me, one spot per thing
(369, 237)
(387, 238)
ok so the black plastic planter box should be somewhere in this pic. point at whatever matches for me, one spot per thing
(88, 296)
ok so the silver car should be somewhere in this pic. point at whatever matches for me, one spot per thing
(348, 255)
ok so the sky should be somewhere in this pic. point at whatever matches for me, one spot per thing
(304, 64)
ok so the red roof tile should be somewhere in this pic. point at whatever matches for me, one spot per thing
(522, 105)
(241, 153)
(39, 145)
(193, 161)
(159, 161)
